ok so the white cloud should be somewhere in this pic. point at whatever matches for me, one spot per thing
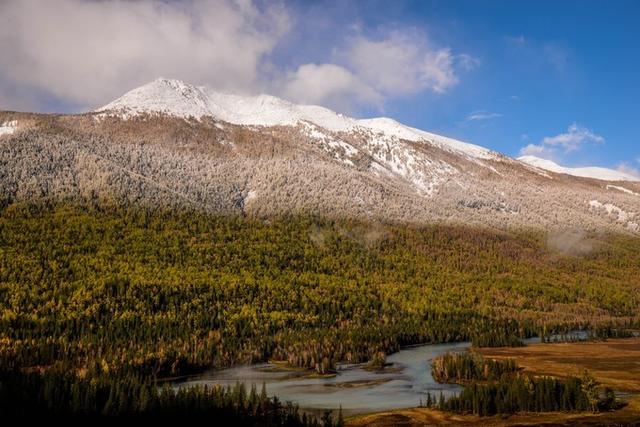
(402, 63)
(538, 151)
(482, 115)
(330, 85)
(573, 139)
(83, 53)
(553, 147)
(367, 71)
(88, 52)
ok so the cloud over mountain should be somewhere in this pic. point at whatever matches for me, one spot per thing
(402, 63)
(574, 139)
(81, 53)
(86, 52)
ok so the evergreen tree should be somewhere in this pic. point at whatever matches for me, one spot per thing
(591, 389)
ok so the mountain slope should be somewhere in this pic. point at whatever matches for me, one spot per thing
(171, 144)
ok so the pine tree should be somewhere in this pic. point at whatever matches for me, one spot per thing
(340, 422)
(327, 419)
(263, 392)
(591, 389)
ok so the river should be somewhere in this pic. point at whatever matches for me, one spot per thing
(403, 384)
(357, 390)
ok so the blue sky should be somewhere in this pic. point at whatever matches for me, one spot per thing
(560, 77)
(543, 66)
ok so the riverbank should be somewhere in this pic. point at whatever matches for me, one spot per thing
(614, 363)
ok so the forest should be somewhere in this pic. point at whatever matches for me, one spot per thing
(103, 291)
(493, 387)
(467, 366)
(526, 393)
(64, 394)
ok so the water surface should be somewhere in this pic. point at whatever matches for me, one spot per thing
(401, 385)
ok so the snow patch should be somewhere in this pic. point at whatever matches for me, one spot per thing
(392, 128)
(8, 128)
(624, 190)
(252, 194)
(585, 172)
(336, 147)
(425, 174)
(617, 213)
(227, 143)
(611, 209)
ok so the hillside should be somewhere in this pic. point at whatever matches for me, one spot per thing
(169, 144)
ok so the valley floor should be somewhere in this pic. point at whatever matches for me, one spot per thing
(614, 363)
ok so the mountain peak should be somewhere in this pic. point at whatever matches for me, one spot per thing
(166, 96)
(179, 99)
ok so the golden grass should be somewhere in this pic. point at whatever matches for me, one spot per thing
(615, 363)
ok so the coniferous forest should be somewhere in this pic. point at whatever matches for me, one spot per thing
(65, 394)
(500, 387)
(466, 367)
(526, 393)
(100, 302)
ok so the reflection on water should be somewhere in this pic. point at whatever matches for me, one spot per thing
(402, 385)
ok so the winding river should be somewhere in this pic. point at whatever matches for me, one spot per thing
(403, 384)
(400, 385)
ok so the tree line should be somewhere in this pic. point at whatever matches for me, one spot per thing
(59, 393)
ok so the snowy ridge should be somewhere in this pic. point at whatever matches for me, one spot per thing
(176, 98)
(391, 127)
(585, 172)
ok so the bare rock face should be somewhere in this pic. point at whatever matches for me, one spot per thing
(169, 144)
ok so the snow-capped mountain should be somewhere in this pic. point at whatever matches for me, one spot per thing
(332, 131)
(586, 172)
(171, 144)
(174, 97)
